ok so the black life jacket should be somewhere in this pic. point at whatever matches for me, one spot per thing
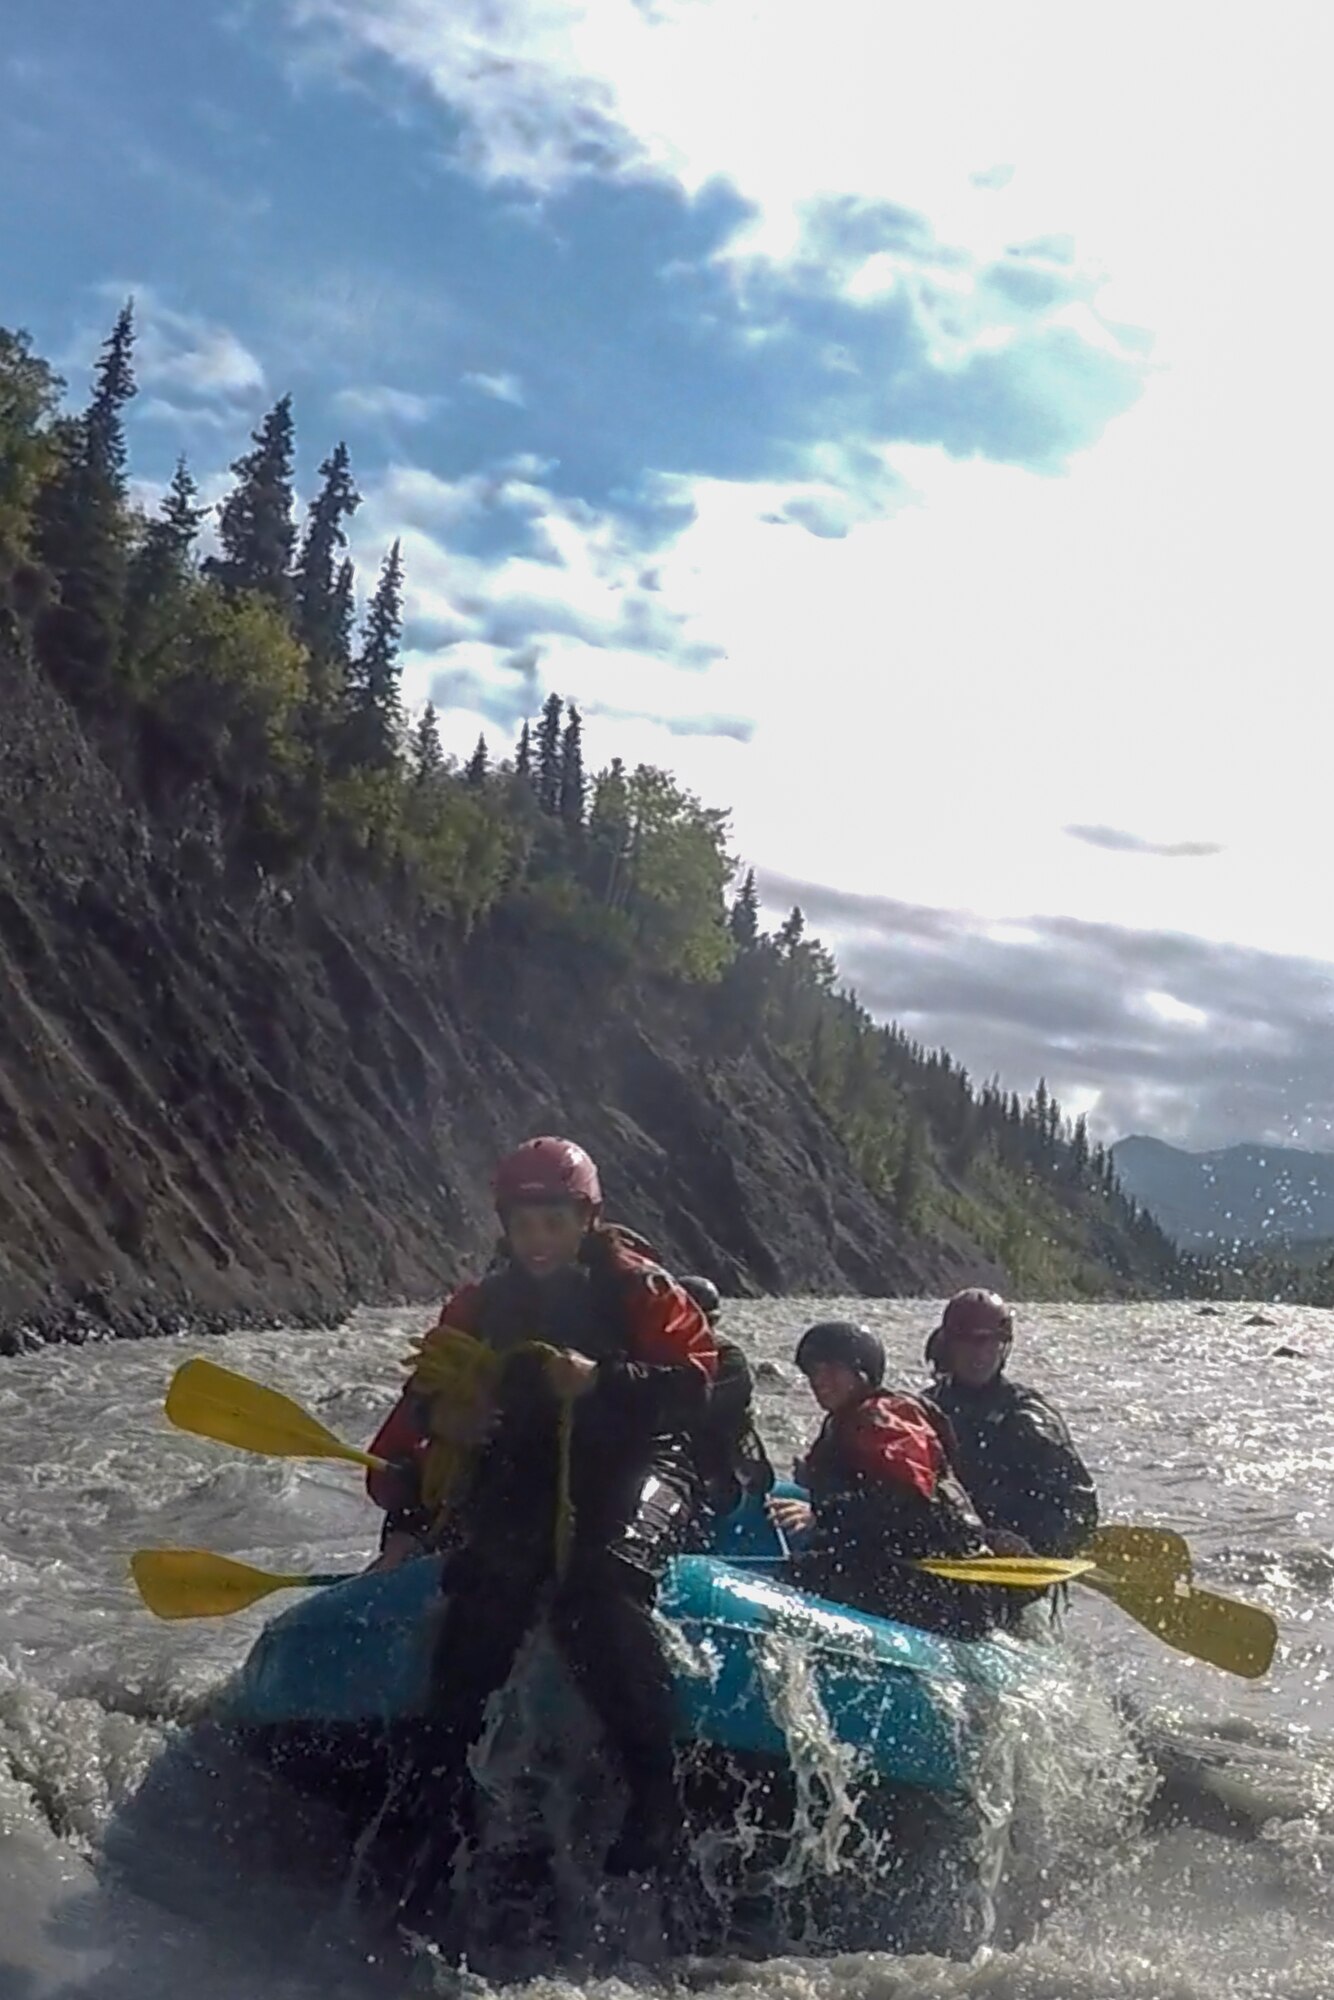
(1019, 1463)
(584, 1309)
(730, 1453)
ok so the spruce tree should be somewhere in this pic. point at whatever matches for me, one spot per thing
(428, 758)
(255, 525)
(376, 717)
(1038, 1113)
(80, 530)
(342, 617)
(478, 765)
(610, 835)
(113, 387)
(162, 560)
(316, 585)
(548, 754)
(791, 932)
(744, 917)
(523, 754)
(1055, 1123)
(170, 536)
(572, 798)
(181, 515)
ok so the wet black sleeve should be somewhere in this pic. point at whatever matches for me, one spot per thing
(733, 1391)
(673, 1398)
(1059, 1499)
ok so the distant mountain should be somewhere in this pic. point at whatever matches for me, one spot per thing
(1273, 1195)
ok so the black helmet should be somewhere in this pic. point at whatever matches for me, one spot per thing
(842, 1340)
(705, 1294)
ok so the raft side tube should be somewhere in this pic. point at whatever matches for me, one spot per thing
(357, 1656)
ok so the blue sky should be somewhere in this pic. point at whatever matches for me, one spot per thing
(896, 419)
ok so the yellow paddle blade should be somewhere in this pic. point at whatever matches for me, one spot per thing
(214, 1403)
(1221, 1631)
(1120, 1549)
(1022, 1572)
(191, 1583)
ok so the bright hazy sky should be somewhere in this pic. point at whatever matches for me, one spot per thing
(908, 423)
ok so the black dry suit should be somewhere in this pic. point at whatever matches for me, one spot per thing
(883, 1493)
(635, 1491)
(730, 1455)
(1015, 1456)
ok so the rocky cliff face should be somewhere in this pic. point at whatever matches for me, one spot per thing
(226, 1100)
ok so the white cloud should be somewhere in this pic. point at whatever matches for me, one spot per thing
(1137, 644)
(183, 416)
(1201, 1040)
(941, 694)
(916, 106)
(504, 388)
(937, 696)
(182, 352)
(376, 401)
(189, 368)
(981, 659)
(498, 566)
(528, 74)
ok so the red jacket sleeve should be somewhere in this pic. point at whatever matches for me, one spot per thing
(664, 1379)
(402, 1437)
(890, 1440)
(666, 1327)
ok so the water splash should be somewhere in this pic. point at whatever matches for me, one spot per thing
(824, 1770)
(193, 1887)
(1059, 1779)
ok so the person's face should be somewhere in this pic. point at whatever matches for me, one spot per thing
(974, 1357)
(545, 1237)
(834, 1385)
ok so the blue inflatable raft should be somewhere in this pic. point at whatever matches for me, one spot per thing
(348, 1666)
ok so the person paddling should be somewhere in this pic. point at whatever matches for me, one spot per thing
(1013, 1451)
(633, 1365)
(882, 1494)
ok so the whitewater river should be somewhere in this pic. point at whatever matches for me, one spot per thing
(117, 1884)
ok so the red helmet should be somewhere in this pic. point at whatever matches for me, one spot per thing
(976, 1311)
(547, 1170)
(972, 1311)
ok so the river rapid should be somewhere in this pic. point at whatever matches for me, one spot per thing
(119, 1884)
